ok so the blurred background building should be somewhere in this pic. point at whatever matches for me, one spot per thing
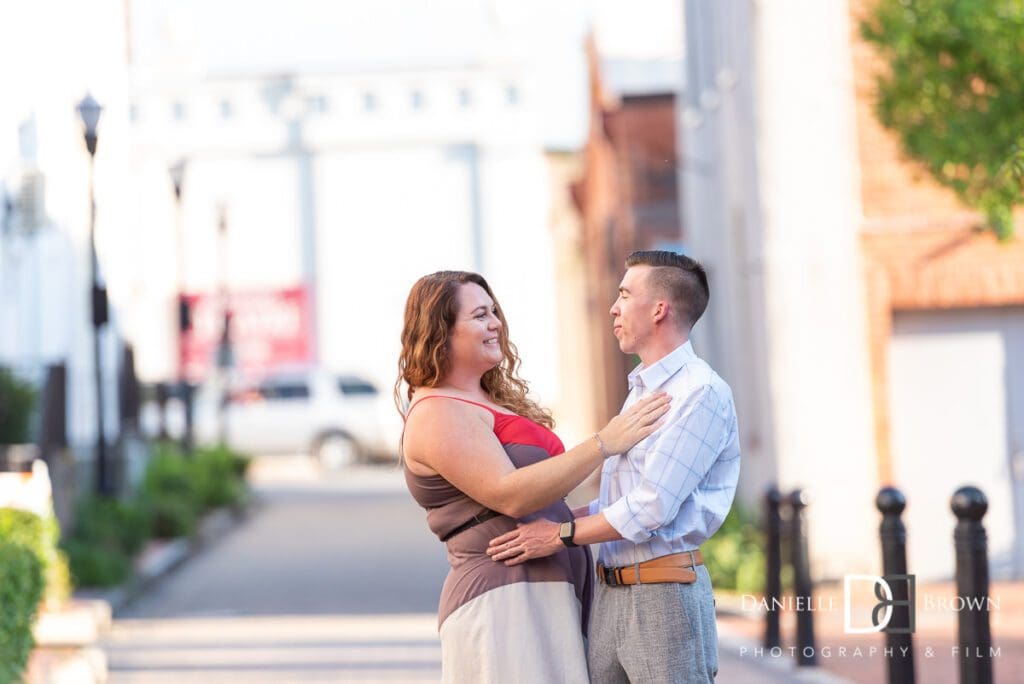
(46, 322)
(294, 170)
(871, 331)
(299, 166)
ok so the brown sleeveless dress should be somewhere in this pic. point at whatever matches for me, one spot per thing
(524, 623)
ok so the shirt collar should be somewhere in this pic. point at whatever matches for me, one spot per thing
(653, 377)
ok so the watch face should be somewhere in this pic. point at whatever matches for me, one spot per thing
(566, 531)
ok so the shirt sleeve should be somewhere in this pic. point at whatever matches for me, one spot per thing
(683, 453)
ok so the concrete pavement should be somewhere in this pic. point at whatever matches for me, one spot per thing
(279, 648)
(334, 578)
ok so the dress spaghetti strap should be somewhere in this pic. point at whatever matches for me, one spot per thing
(445, 396)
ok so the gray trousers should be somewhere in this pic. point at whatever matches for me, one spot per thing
(654, 633)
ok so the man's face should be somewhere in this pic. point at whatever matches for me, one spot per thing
(633, 312)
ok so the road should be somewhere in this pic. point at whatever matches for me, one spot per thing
(331, 579)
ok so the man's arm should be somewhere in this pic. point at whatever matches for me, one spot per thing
(676, 463)
(539, 538)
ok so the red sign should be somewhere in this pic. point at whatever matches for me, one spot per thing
(268, 329)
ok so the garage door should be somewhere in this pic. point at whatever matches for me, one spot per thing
(956, 383)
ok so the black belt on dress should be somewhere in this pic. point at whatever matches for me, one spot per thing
(472, 522)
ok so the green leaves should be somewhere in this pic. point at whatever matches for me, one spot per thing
(954, 94)
(22, 582)
(175, 492)
(734, 555)
(17, 399)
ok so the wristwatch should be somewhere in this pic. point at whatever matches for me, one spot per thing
(566, 531)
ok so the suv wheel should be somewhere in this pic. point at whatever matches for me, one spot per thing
(336, 451)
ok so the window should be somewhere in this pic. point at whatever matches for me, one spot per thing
(178, 111)
(283, 391)
(369, 102)
(355, 386)
(465, 97)
(512, 95)
(318, 104)
(227, 110)
(416, 99)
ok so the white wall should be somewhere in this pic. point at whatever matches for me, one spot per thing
(771, 188)
(961, 370)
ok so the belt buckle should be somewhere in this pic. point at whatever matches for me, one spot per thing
(608, 575)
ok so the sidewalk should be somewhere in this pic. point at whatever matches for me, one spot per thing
(340, 648)
(279, 648)
(861, 657)
(739, 662)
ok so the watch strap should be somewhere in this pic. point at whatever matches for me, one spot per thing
(566, 532)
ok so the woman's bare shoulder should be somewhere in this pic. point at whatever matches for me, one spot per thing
(435, 417)
(440, 402)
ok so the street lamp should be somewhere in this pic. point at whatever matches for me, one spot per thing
(89, 111)
(184, 322)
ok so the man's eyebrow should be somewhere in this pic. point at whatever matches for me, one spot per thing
(623, 289)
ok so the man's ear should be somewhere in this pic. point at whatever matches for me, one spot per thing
(660, 312)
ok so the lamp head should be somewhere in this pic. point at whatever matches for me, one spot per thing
(89, 110)
(177, 171)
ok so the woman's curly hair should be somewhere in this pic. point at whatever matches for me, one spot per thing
(430, 313)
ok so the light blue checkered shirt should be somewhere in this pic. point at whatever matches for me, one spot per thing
(672, 491)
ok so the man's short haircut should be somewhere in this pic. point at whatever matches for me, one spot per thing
(677, 277)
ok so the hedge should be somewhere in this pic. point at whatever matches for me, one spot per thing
(175, 491)
(21, 590)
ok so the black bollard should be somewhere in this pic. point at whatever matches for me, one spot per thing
(188, 401)
(899, 640)
(162, 395)
(969, 505)
(806, 651)
(773, 565)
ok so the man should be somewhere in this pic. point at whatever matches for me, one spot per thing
(659, 501)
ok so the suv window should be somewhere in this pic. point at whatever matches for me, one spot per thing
(355, 386)
(284, 391)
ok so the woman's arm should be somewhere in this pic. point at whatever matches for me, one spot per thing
(457, 441)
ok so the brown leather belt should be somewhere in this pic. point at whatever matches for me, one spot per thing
(675, 567)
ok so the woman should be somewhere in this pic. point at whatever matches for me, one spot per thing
(476, 453)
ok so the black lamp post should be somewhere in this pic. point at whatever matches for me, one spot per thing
(89, 110)
(225, 352)
(184, 318)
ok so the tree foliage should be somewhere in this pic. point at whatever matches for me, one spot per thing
(954, 93)
(17, 400)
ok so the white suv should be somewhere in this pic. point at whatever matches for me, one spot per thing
(339, 419)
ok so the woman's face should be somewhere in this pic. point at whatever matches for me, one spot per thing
(474, 337)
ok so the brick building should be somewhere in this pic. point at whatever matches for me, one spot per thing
(872, 330)
(626, 194)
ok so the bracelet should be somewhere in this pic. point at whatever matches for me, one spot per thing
(600, 445)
